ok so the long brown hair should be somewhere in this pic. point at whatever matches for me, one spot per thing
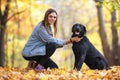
(45, 21)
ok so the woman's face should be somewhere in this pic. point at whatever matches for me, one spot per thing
(52, 18)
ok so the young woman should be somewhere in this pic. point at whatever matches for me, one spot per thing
(41, 44)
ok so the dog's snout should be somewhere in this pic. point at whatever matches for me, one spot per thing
(77, 29)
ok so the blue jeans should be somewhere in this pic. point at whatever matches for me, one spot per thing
(45, 60)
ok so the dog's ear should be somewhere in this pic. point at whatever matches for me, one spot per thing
(73, 28)
(84, 28)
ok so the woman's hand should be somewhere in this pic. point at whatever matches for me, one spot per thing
(76, 39)
(73, 39)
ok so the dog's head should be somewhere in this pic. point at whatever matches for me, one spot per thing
(78, 30)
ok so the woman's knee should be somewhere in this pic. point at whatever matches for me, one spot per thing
(50, 49)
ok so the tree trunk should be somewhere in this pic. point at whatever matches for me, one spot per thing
(13, 52)
(103, 36)
(115, 43)
(2, 55)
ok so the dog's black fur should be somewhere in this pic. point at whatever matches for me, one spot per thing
(84, 51)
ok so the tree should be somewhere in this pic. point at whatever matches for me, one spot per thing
(4, 13)
(3, 21)
(112, 54)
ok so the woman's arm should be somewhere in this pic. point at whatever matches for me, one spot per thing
(43, 36)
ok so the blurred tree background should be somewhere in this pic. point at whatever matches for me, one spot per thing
(19, 17)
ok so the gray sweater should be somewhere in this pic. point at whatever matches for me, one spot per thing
(37, 41)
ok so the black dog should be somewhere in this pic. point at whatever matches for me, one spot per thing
(84, 51)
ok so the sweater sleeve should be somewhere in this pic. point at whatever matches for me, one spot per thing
(47, 38)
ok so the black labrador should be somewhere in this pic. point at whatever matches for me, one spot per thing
(84, 51)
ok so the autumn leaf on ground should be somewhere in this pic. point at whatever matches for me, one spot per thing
(7, 73)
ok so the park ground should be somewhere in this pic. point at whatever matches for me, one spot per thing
(8, 73)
